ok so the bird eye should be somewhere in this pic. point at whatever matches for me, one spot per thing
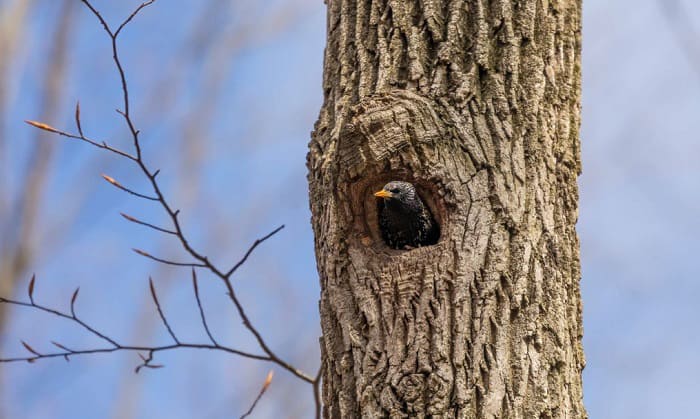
(395, 190)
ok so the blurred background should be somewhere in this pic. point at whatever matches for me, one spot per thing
(225, 94)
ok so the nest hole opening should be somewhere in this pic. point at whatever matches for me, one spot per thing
(376, 234)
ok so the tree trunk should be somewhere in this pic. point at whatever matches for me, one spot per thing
(478, 104)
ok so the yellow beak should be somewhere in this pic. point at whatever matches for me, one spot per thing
(383, 194)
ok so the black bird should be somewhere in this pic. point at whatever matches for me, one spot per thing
(404, 220)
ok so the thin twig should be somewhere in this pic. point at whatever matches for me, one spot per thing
(120, 68)
(127, 348)
(30, 289)
(99, 16)
(147, 362)
(132, 15)
(115, 346)
(118, 185)
(71, 317)
(160, 311)
(72, 302)
(259, 338)
(201, 309)
(103, 145)
(30, 349)
(250, 250)
(168, 262)
(77, 119)
(265, 385)
(143, 223)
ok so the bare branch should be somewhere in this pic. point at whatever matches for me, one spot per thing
(250, 250)
(259, 338)
(72, 301)
(126, 348)
(147, 362)
(30, 289)
(143, 223)
(125, 189)
(168, 262)
(160, 311)
(201, 309)
(42, 126)
(77, 119)
(71, 317)
(115, 346)
(99, 17)
(103, 145)
(132, 15)
(120, 68)
(176, 223)
(202, 260)
(29, 348)
(59, 346)
(265, 385)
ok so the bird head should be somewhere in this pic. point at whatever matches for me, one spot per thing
(398, 193)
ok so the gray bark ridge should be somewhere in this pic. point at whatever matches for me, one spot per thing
(478, 104)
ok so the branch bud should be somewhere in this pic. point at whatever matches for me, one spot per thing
(42, 126)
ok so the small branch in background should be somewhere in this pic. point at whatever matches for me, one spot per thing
(201, 261)
(115, 346)
(265, 385)
(29, 348)
(30, 289)
(173, 214)
(72, 302)
(201, 309)
(103, 145)
(131, 16)
(168, 262)
(143, 223)
(160, 311)
(125, 189)
(77, 119)
(250, 250)
(147, 362)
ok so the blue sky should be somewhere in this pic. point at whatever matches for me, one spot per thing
(640, 198)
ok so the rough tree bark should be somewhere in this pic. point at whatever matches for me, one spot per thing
(478, 103)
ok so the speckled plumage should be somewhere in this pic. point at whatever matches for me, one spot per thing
(404, 220)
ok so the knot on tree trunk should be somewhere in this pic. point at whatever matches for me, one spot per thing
(405, 136)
